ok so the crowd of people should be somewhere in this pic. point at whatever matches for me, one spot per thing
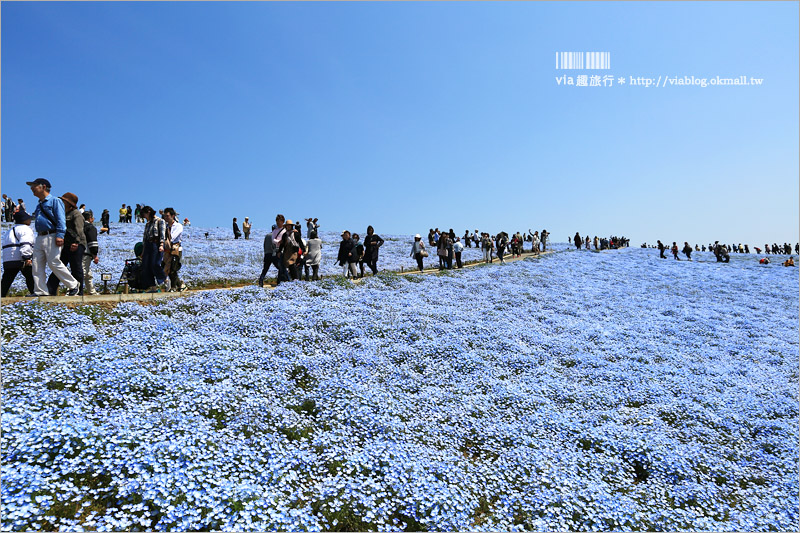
(66, 243)
(722, 252)
(600, 243)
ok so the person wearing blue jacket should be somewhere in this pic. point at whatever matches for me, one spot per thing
(50, 222)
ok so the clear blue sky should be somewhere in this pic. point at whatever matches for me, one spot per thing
(411, 115)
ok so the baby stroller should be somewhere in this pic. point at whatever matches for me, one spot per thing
(131, 278)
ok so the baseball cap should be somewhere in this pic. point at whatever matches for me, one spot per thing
(39, 181)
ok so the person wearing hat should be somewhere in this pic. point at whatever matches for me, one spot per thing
(92, 249)
(416, 250)
(18, 252)
(50, 223)
(105, 222)
(246, 226)
(74, 244)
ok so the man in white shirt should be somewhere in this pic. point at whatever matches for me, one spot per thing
(18, 252)
(173, 255)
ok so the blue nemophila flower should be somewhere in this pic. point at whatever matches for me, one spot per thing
(538, 396)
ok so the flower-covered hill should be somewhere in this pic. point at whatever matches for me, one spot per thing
(578, 391)
(219, 259)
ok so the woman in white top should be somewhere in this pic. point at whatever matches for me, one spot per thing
(313, 255)
(18, 252)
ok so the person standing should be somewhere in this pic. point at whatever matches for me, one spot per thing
(155, 233)
(588, 243)
(313, 254)
(278, 234)
(311, 225)
(357, 257)
(457, 249)
(372, 243)
(486, 247)
(416, 250)
(236, 232)
(129, 214)
(577, 240)
(173, 254)
(687, 250)
(123, 212)
(289, 251)
(543, 238)
(105, 222)
(467, 240)
(51, 225)
(74, 244)
(91, 254)
(442, 250)
(345, 253)
(246, 226)
(18, 252)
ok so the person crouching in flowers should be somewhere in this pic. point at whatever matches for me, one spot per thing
(416, 250)
(155, 231)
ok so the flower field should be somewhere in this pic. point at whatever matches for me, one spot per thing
(580, 390)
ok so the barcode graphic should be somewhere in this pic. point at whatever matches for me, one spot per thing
(583, 60)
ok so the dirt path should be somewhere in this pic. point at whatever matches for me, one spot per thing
(112, 299)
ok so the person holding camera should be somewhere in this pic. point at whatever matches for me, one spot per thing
(173, 249)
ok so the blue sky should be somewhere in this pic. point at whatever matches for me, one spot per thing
(408, 116)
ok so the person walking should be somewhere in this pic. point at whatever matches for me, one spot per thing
(51, 226)
(674, 251)
(418, 250)
(90, 255)
(661, 249)
(246, 226)
(173, 250)
(467, 240)
(687, 250)
(457, 249)
(155, 233)
(501, 241)
(577, 239)
(313, 255)
(74, 244)
(372, 243)
(269, 253)
(278, 233)
(236, 232)
(18, 253)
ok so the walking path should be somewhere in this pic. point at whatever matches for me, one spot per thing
(157, 296)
